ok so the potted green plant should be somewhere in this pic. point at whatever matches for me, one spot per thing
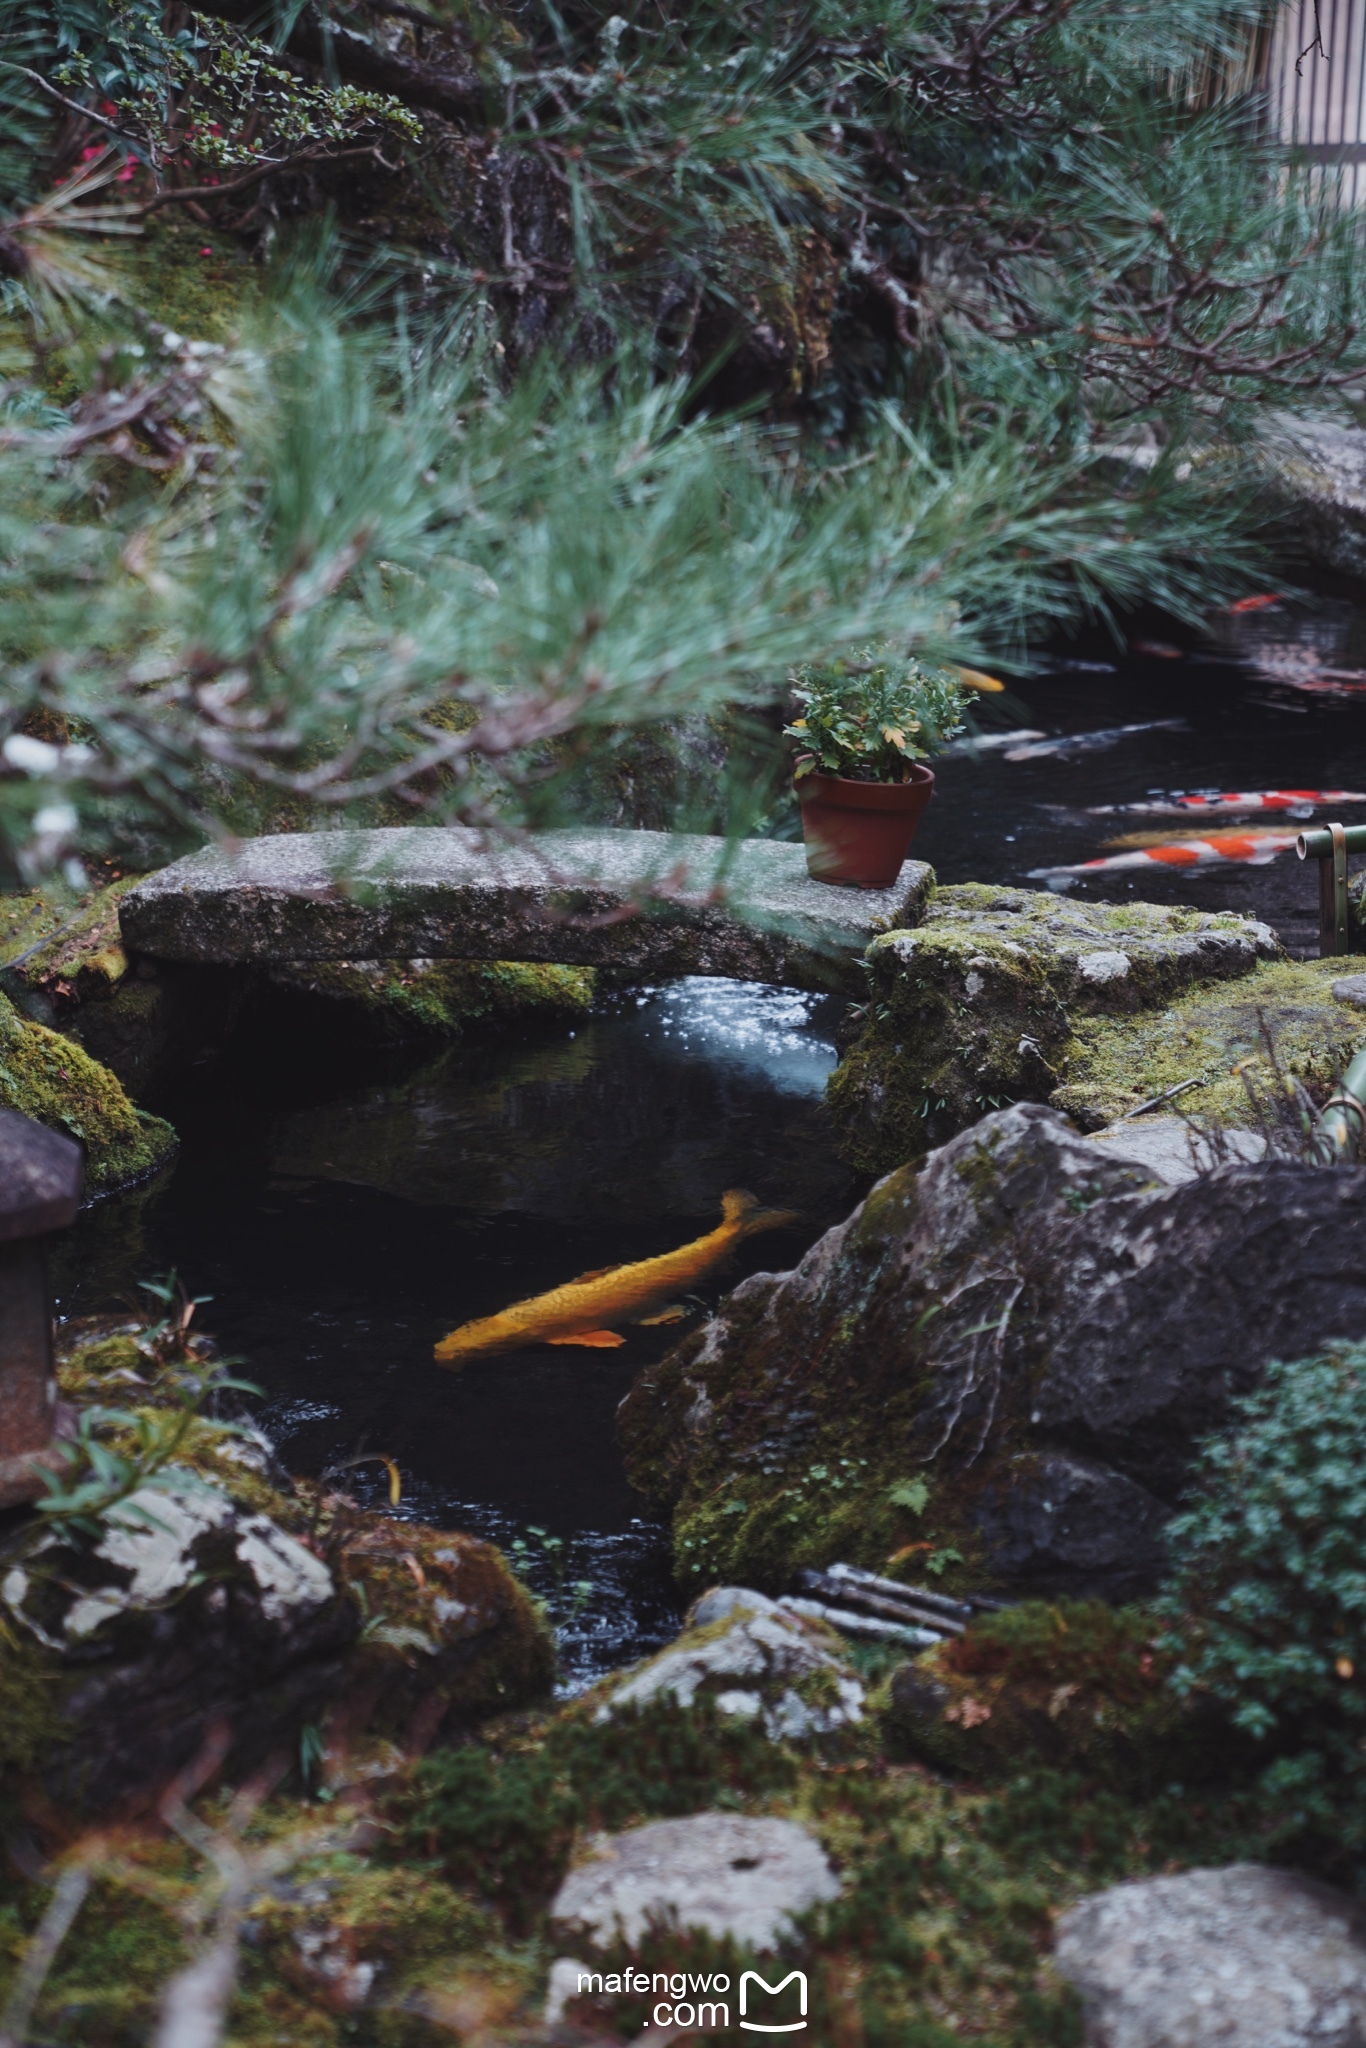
(868, 725)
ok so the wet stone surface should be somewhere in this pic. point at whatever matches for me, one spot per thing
(444, 893)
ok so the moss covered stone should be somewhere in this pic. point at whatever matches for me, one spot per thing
(67, 951)
(50, 1078)
(442, 998)
(451, 1636)
(71, 972)
(977, 1005)
(1074, 1684)
(1216, 1037)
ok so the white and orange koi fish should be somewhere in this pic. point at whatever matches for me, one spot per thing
(1245, 849)
(1203, 804)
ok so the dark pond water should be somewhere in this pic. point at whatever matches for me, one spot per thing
(1274, 700)
(344, 1215)
(346, 1211)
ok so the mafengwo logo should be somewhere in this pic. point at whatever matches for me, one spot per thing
(759, 2003)
(692, 2001)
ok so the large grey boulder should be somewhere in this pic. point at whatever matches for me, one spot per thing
(720, 1872)
(1240, 1958)
(1041, 1330)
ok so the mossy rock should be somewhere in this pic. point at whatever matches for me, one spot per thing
(67, 952)
(975, 1008)
(962, 1022)
(1216, 1037)
(1069, 1684)
(443, 999)
(451, 1634)
(50, 1078)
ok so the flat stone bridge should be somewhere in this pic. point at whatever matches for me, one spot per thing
(652, 904)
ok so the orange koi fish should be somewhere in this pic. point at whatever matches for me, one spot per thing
(1248, 849)
(1182, 804)
(583, 1310)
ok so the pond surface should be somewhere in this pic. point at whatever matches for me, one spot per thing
(1275, 700)
(347, 1210)
(346, 1214)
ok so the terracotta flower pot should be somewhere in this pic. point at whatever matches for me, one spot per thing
(859, 833)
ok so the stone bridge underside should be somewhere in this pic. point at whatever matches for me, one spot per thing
(652, 904)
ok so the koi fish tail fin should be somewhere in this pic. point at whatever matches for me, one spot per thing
(740, 1207)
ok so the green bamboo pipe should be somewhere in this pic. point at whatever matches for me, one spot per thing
(1318, 844)
(1342, 1120)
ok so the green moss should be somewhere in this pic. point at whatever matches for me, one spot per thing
(79, 947)
(961, 1023)
(192, 279)
(451, 1635)
(506, 1823)
(1115, 1063)
(50, 1078)
(1074, 1684)
(341, 1923)
(979, 1005)
(446, 998)
(28, 1691)
(844, 1498)
(108, 1977)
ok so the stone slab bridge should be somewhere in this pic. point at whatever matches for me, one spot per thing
(651, 904)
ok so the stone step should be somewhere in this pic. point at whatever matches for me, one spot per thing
(651, 904)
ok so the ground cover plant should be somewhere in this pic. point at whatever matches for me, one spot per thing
(1268, 1601)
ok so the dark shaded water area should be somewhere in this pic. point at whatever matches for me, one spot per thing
(345, 1210)
(1270, 700)
(346, 1207)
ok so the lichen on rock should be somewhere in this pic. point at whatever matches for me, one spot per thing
(757, 1661)
(219, 1591)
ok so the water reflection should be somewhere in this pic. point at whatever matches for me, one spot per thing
(344, 1218)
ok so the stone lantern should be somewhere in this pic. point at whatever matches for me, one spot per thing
(40, 1191)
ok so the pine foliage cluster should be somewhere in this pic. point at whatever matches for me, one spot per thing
(997, 285)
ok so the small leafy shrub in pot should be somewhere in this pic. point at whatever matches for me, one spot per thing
(868, 717)
(868, 724)
(1266, 1610)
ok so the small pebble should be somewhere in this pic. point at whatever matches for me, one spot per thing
(1351, 989)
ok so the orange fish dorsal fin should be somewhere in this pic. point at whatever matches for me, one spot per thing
(592, 1340)
(594, 1273)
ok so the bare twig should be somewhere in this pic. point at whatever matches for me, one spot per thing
(41, 1953)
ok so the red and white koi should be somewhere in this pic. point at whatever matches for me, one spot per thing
(1242, 849)
(1202, 804)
